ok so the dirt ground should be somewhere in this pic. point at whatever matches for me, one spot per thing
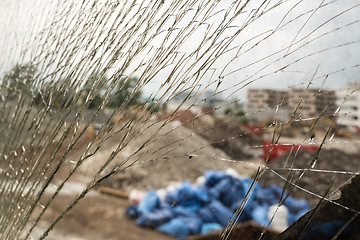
(318, 181)
(337, 160)
(97, 216)
(172, 155)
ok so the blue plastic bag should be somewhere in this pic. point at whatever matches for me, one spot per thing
(186, 211)
(216, 212)
(235, 195)
(187, 195)
(221, 188)
(213, 177)
(155, 219)
(175, 227)
(297, 205)
(149, 202)
(209, 206)
(210, 227)
(268, 196)
(259, 214)
(132, 211)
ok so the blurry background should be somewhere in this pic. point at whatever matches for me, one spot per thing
(138, 95)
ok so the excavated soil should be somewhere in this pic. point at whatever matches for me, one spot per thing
(317, 181)
(175, 154)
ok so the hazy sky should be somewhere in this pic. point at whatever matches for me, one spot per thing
(325, 42)
(303, 41)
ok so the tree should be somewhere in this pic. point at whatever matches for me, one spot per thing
(20, 78)
(237, 110)
(124, 92)
(155, 107)
(96, 97)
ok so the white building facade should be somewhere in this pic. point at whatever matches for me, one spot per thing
(348, 99)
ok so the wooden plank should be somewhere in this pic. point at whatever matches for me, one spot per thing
(114, 192)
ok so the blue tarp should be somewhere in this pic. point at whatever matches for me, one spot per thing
(190, 209)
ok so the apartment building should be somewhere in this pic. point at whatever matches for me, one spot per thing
(265, 98)
(349, 102)
(265, 103)
(262, 105)
(313, 102)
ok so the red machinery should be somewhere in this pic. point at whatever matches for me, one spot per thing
(272, 151)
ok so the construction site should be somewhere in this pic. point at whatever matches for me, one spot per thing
(194, 120)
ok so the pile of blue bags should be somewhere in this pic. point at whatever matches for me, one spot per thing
(198, 209)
